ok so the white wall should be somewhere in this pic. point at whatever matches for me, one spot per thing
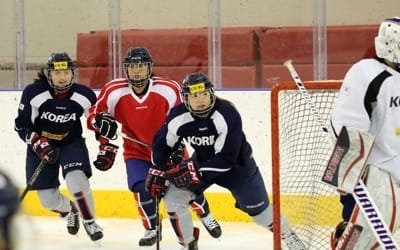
(254, 107)
(52, 25)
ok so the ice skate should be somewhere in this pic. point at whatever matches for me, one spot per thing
(193, 245)
(292, 241)
(149, 238)
(72, 220)
(212, 226)
(94, 231)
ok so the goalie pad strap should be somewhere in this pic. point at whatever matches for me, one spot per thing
(350, 237)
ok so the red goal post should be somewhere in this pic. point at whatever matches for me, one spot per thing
(300, 150)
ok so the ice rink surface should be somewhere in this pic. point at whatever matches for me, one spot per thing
(50, 233)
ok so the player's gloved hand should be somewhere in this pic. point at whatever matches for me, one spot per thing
(106, 125)
(184, 174)
(156, 183)
(106, 156)
(177, 156)
(42, 147)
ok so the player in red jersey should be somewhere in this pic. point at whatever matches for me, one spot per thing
(140, 103)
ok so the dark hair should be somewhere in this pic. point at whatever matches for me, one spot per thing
(225, 100)
(41, 76)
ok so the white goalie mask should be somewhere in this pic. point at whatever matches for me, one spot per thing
(387, 43)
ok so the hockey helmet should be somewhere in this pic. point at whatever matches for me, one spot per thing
(196, 83)
(60, 61)
(387, 43)
(138, 57)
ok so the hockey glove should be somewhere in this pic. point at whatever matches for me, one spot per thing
(106, 125)
(106, 156)
(177, 156)
(156, 183)
(184, 174)
(42, 147)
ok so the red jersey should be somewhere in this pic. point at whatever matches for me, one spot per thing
(140, 116)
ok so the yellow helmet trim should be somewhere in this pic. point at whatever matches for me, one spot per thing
(60, 65)
(196, 88)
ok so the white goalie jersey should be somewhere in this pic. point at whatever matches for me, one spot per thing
(370, 102)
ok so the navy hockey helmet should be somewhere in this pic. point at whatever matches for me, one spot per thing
(60, 61)
(196, 83)
(137, 57)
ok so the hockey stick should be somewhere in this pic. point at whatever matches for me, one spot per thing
(360, 194)
(158, 220)
(125, 136)
(33, 178)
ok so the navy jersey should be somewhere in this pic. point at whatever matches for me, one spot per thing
(56, 119)
(218, 141)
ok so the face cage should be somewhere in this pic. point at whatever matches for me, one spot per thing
(203, 112)
(137, 83)
(387, 43)
(58, 88)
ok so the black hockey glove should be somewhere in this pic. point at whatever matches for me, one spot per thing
(178, 155)
(106, 125)
(156, 184)
(42, 147)
(106, 156)
(184, 174)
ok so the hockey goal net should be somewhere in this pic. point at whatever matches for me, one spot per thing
(300, 150)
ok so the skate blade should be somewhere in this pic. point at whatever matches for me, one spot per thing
(97, 243)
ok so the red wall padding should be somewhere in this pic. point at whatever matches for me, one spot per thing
(251, 57)
(345, 44)
(271, 74)
(232, 76)
(172, 47)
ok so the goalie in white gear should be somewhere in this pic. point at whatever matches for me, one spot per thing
(369, 101)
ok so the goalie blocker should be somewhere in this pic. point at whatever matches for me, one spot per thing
(347, 162)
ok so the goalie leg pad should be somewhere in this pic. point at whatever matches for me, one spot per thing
(384, 191)
(347, 161)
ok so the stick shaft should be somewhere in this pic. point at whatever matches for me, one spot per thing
(306, 95)
(32, 179)
(158, 221)
(125, 136)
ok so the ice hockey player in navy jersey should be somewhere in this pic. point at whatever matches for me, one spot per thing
(213, 128)
(48, 121)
